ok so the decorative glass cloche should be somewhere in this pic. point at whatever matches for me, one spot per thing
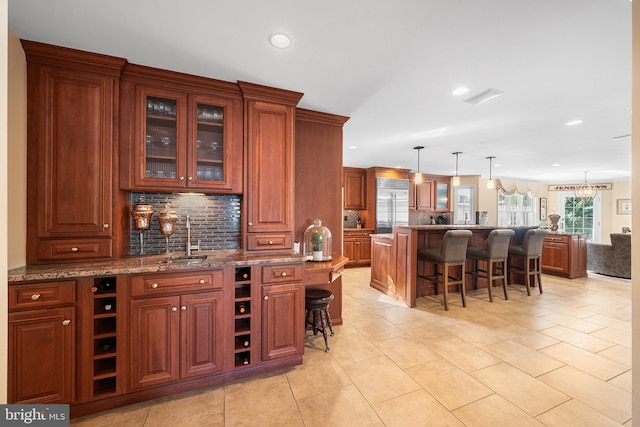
(317, 242)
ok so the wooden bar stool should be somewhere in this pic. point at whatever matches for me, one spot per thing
(452, 253)
(494, 255)
(317, 316)
(529, 254)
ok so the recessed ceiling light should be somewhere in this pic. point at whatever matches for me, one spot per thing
(353, 147)
(573, 122)
(497, 165)
(460, 91)
(280, 40)
(555, 165)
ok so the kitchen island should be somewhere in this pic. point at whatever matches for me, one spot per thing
(394, 259)
(99, 335)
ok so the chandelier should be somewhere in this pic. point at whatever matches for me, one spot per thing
(586, 192)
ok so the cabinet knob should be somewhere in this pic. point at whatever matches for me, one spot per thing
(154, 285)
(174, 308)
(182, 178)
(251, 224)
(271, 242)
(266, 297)
(35, 297)
(202, 281)
(74, 249)
(190, 178)
(183, 308)
(66, 322)
(105, 226)
(283, 274)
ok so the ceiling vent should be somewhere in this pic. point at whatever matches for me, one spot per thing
(485, 96)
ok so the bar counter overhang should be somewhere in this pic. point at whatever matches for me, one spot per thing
(394, 260)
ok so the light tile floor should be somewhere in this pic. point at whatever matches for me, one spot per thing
(562, 358)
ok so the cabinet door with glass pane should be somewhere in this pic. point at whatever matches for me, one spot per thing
(212, 158)
(160, 145)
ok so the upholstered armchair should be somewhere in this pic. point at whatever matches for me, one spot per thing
(611, 260)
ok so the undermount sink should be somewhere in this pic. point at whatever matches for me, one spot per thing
(184, 259)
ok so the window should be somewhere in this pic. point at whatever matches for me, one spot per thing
(464, 211)
(580, 217)
(516, 209)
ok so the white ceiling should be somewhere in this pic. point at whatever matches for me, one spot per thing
(391, 67)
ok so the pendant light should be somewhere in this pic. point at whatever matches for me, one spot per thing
(586, 192)
(456, 179)
(418, 175)
(490, 183)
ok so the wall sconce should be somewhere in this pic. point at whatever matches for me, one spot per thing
(418, 175)
(490, 183)
(456, 179)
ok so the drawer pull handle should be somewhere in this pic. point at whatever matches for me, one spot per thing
(74, 249)
(202, 281)
(154, 285)
(174, 308)
(266, 297)
(66, 322)
(35, 297)
(183, 308)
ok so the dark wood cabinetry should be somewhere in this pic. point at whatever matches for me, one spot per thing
(354, 181)
(269, 164)
(282, 311)
(42, 350)
(174, 335)
(180, 132)
(432, 194)
(71, 135)
(564, 255)
(357, 247)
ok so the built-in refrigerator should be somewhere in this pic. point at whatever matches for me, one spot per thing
(392, 204)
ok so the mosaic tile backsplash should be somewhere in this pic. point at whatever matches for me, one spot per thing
(215, 220)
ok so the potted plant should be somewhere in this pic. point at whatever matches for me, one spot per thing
(317, 237)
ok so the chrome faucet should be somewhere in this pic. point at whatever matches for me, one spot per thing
(191, 247)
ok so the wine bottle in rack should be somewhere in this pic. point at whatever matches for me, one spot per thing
(109, 345)
(104, 287)
(246, 343)
(108, 306)
(242, 308)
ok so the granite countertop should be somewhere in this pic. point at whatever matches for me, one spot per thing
(146, 264)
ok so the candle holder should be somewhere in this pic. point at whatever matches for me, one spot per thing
(142, 214)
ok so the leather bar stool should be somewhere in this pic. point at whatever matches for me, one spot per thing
(452, 253)
(525, 259)
(494, 256)
(317, 316)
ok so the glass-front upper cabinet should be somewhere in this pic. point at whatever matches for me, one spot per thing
(442, 196)
(187, 141)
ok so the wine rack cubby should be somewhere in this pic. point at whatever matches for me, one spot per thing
(105, 321)
(242, 317)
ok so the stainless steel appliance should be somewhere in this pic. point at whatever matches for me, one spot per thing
(392, 203)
